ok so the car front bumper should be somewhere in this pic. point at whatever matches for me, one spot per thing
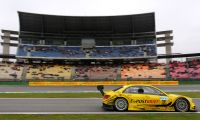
(193, 108)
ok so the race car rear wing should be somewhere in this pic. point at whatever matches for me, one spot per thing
(100, 88)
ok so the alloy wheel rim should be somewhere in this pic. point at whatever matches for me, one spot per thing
(121, 104)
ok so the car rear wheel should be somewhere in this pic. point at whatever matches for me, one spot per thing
(182, 105)
(121, 104)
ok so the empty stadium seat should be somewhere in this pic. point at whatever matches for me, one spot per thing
(178, 70)
(77, 52)
(143, 71)
(48, 72)
(10, 71)
(96, 72)
(184, 70)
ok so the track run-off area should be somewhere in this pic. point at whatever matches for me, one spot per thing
(63, 106)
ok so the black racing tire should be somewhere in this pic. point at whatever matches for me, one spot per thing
(182, 105)
(121, 104)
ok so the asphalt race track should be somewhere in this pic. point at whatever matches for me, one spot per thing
(70, 105)
(59, 106)
(180, 88)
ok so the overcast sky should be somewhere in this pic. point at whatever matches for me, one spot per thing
(181, 16)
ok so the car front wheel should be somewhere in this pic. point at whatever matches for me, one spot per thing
(182, 105)
(121, 104)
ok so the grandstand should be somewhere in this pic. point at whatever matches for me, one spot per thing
(48, 72)
(186, 70)
(10, 71)
(103, 52)
(79, 48)
(65, 72)
(101, 37)
(96, 72)
(143, 71)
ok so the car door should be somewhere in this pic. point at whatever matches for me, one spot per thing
(135, 100)
(149, 99)
(154, 99)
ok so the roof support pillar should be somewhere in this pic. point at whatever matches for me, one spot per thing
(168, 49)
(6, 47)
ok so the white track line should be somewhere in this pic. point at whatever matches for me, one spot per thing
(99, 113)
(60, 98)
(53, 92)
(49, 98)
(181, 90)
(91, 91)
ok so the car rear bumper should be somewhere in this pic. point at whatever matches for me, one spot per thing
(107, 107)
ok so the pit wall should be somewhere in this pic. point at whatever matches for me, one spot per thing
(108, 83)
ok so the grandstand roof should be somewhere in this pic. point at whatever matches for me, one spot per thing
(52, 24)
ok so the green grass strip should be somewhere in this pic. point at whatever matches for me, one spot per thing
(169, 116)
(188, 94)
(189, 82)
(14, 83)
(75, 95)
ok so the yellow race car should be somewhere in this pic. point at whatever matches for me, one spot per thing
(144, 98)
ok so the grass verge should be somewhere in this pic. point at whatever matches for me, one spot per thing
(169, 116)
(76, 95)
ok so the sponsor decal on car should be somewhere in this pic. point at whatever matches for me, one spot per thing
(163, 98)
(144, 101)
